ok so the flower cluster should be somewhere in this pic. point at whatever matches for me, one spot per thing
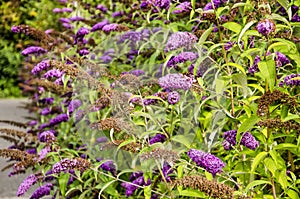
(157, 138)
(181, 40)
(68, 164)
(175, 81)
(247, 140)
(34, 50)
(209, 162)
(137, 180)
(26, 184)
(266, 27)
(42, 191)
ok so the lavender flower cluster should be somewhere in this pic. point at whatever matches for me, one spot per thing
(209, 162)
(291, 80)
(136, 178)
(175, 81)
(247, 140)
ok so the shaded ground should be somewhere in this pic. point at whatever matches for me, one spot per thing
(9, 111)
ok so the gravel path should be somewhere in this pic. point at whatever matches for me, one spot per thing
(9, 185)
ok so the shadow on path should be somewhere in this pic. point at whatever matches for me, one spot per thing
(9, 110)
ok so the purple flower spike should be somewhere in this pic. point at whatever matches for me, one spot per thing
(26, 184)
(33, 50)
(102, 8)
(42, 191)
(179, 40)
(66, 10)
(82, 32)
(292, 80)
(136, 72)
(166, 170)
(58, 119)
(56, 10)
(175, 81)
(182, 57)
(54, 73)
(265, 27)
(173, 97)
(109, 166)
(162, 4)
(47, 136)
(111, 27)
(43, 65)
(65, 20)
(281, 59)
(254, 68)
(249, 141)
(157, 138)
(100, 25)
(83, 52)
(230, 139)
(209, 162)
(74, 104)
(183, 7)
(138, 181)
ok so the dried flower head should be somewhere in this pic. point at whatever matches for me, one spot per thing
(161, 154)
(212, 188)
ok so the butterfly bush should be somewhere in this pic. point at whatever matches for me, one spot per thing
(137, 99)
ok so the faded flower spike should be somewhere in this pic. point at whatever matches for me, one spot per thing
(209, 162)
(175, 81)
(179, 40)
(266, 27)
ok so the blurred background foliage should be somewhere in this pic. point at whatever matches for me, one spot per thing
(35, 13)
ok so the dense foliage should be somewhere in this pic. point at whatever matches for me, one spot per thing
(162, 99)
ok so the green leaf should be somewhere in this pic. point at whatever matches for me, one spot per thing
(192, 193)
(183, 139)
(258, 160)
(248, 123)
(233, 26)
(291, 117)
(63, 181)
(268, 71)
(205, 35)
(105, 186)
(246, 27)
(147, 192)
(255, 183)
(292, 194)
(241, 79)
(271, 165)
(238, 66)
